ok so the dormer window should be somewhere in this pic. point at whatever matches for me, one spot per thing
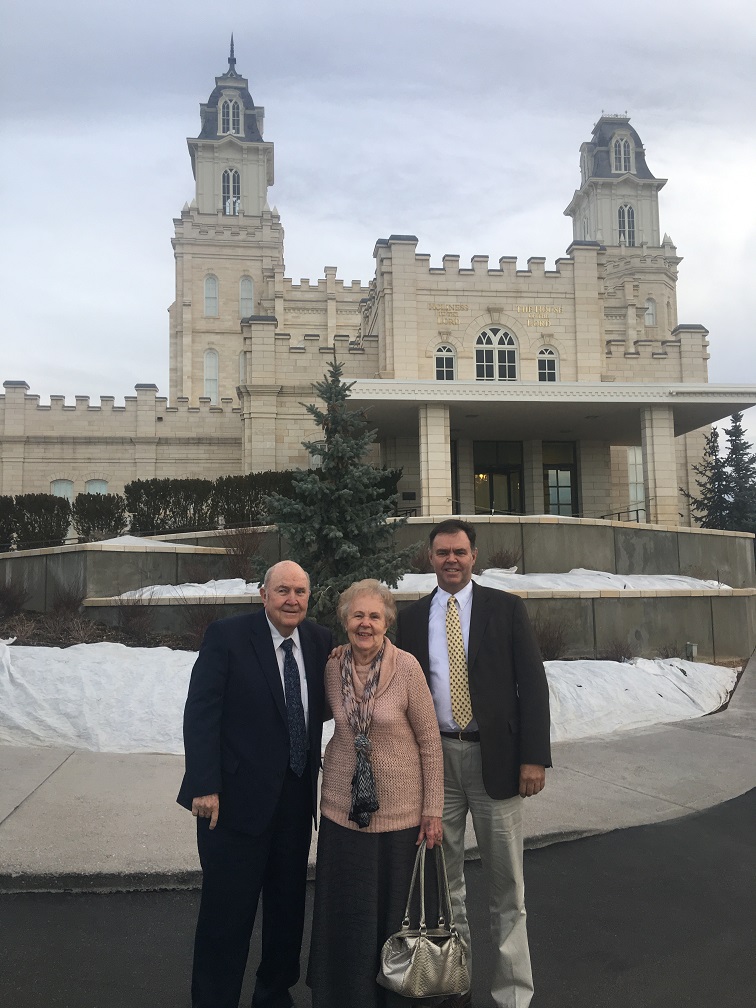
(622, 160)
(231, 192)
(230, 117)
(626, 224)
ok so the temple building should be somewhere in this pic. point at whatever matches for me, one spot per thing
(573, 391)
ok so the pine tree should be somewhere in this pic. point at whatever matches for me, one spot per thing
(712, 508)
(741, 466)
(336, 518)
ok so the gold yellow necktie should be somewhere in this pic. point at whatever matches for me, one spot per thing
(459, 686)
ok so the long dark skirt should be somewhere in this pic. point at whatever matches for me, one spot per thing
(361, 886)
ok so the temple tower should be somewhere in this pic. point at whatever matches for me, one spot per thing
(228, 243)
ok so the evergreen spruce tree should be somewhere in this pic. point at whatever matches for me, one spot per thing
(712, 508)
(740, 461)
(336, 518)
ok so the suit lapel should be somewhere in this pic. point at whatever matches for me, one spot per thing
(262, 645)
(481, 611)
(420, 650)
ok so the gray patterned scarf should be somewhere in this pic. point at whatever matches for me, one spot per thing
(359, 714)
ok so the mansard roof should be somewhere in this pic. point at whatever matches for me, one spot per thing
(600, 147)
(230, 81)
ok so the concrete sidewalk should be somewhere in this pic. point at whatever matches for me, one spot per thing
(106, 821)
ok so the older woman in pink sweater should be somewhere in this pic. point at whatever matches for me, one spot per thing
(382, 794)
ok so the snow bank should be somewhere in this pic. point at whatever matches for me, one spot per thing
(506, 580)
(110, 698)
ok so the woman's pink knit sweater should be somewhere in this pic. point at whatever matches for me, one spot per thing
(406, 753)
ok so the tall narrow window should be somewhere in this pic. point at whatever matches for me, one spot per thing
(547, 364)
(211, 376)
(62, 488)
(230, 117)
(650, 318)
(495, 356)
(445, 363)
(484, 357)
(96, 486)
(626, 224)
(231, 192)
(211, 295)
(246, 297)
(622, 162)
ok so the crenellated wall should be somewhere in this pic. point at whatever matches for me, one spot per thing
(145, 438)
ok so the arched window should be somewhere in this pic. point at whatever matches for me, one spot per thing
(650, 318)
(622, 161)
(626, 224)
(495, 356)
(231, 192)
(96, 486)
(246, 297)
(230, 117)
(548, 362)
(211, 295)
(211, 376)
(62, 488)
(445, 363)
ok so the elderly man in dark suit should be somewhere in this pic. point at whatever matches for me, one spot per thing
(252, 731)
(479, 654)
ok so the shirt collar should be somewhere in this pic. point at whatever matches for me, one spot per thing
(463, 596)
(278, 637)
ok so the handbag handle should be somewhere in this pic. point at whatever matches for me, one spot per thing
(442, 880)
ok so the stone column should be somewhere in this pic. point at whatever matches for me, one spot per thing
(659, 464)
(435, 460)
(532, 452)
(466, 476)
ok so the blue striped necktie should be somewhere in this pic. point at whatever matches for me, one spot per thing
(294, 710)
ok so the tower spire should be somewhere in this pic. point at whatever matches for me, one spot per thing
(231, 59)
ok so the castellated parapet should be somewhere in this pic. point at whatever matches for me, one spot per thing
(143, 439)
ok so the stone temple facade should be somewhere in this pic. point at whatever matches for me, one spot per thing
(574, 391)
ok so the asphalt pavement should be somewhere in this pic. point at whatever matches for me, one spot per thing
(655, 916)
(649, 906)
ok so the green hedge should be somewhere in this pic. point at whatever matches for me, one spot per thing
(41, 520)
(99, 516)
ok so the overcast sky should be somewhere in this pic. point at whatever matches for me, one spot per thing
(460, 123)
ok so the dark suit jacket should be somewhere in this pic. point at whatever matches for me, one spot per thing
(508, 688)
(236, 736)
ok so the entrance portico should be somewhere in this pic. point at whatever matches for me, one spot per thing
(533, 448)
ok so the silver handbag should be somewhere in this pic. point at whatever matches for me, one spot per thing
(426, 962)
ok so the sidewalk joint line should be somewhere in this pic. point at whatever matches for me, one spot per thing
(31, 793)
(625, 787)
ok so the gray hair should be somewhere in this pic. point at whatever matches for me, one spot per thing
(367, 587)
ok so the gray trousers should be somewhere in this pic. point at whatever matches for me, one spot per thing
(498, 830)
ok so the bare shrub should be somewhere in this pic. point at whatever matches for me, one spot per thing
(13, 598)
(243, 559)
(551, 634)
(194, 619)
(616, 650)
(22, 626)
(505, 557)
(136, 619)
(62, 629)
(420, 561)
(672, 649)
(67, 598)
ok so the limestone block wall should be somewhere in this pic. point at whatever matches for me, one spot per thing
(415, 308)
(143, 439)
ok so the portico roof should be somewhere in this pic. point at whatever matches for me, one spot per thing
(594, 411)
